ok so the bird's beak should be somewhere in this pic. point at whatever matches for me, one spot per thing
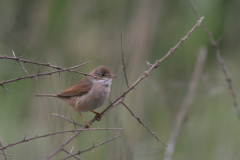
(112, 76)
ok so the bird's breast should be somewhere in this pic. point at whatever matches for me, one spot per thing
(95, 98)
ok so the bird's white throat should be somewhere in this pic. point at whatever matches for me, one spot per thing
(105, 81)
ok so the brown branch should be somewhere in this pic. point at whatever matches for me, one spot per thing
(220, 61)
(51, 134)
(90, 149)
(143, 124)
(120, 99)
(123, 61)
(186, 104)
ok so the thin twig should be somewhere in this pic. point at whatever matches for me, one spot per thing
(3, 152)
(220, 61)
(120, 99)
(70, 121)
(17, 59)
(71, 150)
(70, 153)
(89, 149)
(123, 61)
(5, 88)
(51, 134)
(186, 104)
(143, 124)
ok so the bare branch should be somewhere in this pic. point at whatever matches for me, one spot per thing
(220, 61)
(123, 61)
(90, 149)
(186, 104)
(143, 124)
(120, 99)
(51, 134)
(42, 74)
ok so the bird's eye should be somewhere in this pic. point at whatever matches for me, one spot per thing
(102, 75)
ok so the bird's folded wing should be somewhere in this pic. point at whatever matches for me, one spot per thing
(83, 87)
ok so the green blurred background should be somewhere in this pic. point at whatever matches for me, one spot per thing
(70, 32)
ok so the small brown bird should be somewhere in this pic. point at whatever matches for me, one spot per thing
(90, 93)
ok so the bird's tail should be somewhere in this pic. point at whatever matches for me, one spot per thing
(46, 95)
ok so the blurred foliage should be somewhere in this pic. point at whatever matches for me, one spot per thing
(67, 33)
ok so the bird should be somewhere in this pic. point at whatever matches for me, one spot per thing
(90, 93)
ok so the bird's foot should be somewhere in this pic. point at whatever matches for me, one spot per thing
(88, 124)
(97, 115)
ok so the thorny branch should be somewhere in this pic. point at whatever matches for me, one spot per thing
(43, 74)
(59, 69)
(90, 149)
(120, 99)
(186, 104)
(38, 63)
(220, 61)
(50, 134)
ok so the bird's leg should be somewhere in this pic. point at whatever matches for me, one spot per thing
(86, 122)
(97, 113)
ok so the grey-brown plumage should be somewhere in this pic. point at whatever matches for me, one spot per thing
(90, 93)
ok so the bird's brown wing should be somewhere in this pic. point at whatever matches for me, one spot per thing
(83, 87)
